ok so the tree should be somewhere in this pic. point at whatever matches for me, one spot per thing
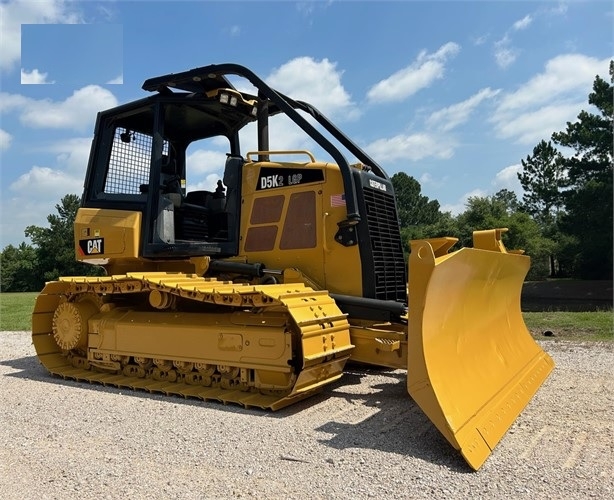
(55, 250)
(501, 210)
(417, 214)
(543, 179)
(19, 269)
(486, 213)
(416, 211)
(588, 202)
(509, 200)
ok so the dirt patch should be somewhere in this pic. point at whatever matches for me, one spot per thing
(566, 295)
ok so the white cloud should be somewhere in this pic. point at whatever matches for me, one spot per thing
(426, 178)
(531, 126)
(505, 53)
(26, 210)
(475, 193)
(284, 135)
(507, 178)
(410, 147)
(205, 165)
(504, 179)
(546, 102)
(461, 205)
(11, 102)
(420, 74)
(23, 212)
(451, 117)
(306, 79)
(559, 10)
(209, 183)
(480, 40)
(45, 183)
(34, 77)
(118, 80)
(34, 194)
(73, 154)
(453, 208)
(504, 56)
(77, 112)
(438, 182)
(317, 82)
(17, 12)
(562, 75)
(235, 30)
(203, 161)
(5, 140)
(32, 197)
(523, 23)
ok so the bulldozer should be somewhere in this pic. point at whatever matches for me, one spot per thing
(259, 291)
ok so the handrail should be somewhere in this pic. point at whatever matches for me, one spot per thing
(281, 152)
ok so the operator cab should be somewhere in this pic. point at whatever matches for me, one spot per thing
(139, 163)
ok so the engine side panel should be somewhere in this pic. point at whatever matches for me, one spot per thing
(289, 219)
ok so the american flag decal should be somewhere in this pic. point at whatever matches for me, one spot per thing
(337, 200)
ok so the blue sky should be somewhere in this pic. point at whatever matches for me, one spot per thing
(454, 94)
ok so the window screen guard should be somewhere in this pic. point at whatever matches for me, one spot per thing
(129, 162)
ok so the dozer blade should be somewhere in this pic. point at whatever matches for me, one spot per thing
(472, 365)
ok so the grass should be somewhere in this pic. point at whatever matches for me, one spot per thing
(16, 312)
(598, 325)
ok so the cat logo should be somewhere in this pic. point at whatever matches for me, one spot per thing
(92, 246)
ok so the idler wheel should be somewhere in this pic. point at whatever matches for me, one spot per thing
(69, 324)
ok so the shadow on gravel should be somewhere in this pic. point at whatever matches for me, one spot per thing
(398, 425)
(32, 370)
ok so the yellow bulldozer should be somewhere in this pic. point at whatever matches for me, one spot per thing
(258, 292)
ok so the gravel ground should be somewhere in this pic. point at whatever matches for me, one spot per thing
(361, 438)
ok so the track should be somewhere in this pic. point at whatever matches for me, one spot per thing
(145, 331)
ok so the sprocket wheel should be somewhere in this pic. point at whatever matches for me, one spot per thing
(69, 324)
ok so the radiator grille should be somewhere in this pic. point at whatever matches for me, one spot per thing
(386, 247)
